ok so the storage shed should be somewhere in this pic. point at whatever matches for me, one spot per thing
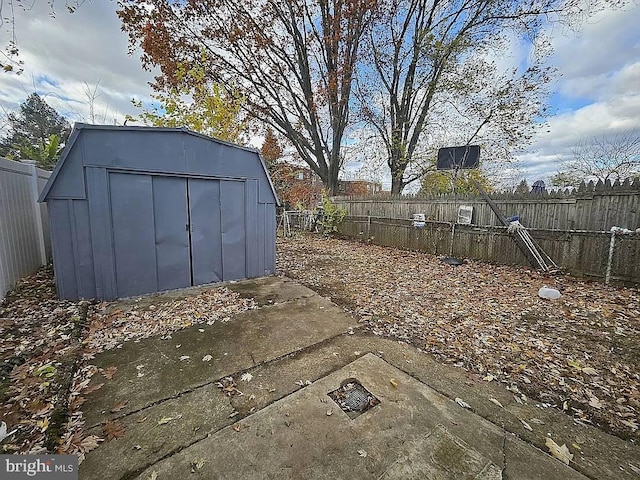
(135, 210)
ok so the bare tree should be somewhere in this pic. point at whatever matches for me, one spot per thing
(605, 157)
(91, 95)
(292, 60)
(428, 69)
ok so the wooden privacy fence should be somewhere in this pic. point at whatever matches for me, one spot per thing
(24, 227)
(593, 207)
(581, 253)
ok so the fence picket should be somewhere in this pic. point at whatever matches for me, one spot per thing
(24, 232)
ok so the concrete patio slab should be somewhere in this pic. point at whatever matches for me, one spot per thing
(250, 338)
(176, 416)
(413, 433)
(271, 290)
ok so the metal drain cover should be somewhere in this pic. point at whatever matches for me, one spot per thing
(356, 399)
(353, 398)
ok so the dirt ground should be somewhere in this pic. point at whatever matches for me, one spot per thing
(46, 351)
(579, 354)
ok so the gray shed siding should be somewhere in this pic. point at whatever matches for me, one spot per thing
(138, 210)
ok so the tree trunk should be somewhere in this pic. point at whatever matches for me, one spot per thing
(331, 183)
(396, 185)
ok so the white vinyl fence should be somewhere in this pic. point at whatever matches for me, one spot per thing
(25, 243)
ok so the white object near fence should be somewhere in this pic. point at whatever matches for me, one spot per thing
(24, 227)
(419, 220)
(549, 293)
(612, 246)
(464, 214)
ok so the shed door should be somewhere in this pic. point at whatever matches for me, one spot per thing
(218, 231)
(150, 233)
(205, 230)
(173, 232)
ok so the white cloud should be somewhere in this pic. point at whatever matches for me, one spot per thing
(64, 53)
(600, 68)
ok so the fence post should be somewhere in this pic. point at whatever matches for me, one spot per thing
(368, 227)
(612, 246)
(37, 213)
(453, 236)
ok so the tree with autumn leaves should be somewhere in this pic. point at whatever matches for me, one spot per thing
(194, 102)
(295, 185)
(313, 69)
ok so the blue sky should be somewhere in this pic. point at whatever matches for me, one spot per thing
(598, 90)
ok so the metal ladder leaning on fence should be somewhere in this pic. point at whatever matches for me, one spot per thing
(534, 253)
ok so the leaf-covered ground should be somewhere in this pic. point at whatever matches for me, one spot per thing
(580, 354)
(35, 333)
(43, 344)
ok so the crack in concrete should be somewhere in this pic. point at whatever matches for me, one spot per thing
(504, 455)
(233, 374)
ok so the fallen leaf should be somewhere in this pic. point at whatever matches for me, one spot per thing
(207, 358)
(46, 371)
(246, 377)
(119, 406)
(43, 424)
(362, 453)
(165, 420)
(137, 447)
(595, 402)
(394, 383)
(109, 372)
(575, 364)
(153, 476)
(89, 443)
(560, 452)
(197, 465)
(184, 357)
(590, 371)
(526, 425)
(495, 402)
(93, 388)
(113, 430)
(462, 403)
(329, 412)
(489, 378)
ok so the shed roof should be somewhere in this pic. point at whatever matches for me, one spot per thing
(78, 127)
